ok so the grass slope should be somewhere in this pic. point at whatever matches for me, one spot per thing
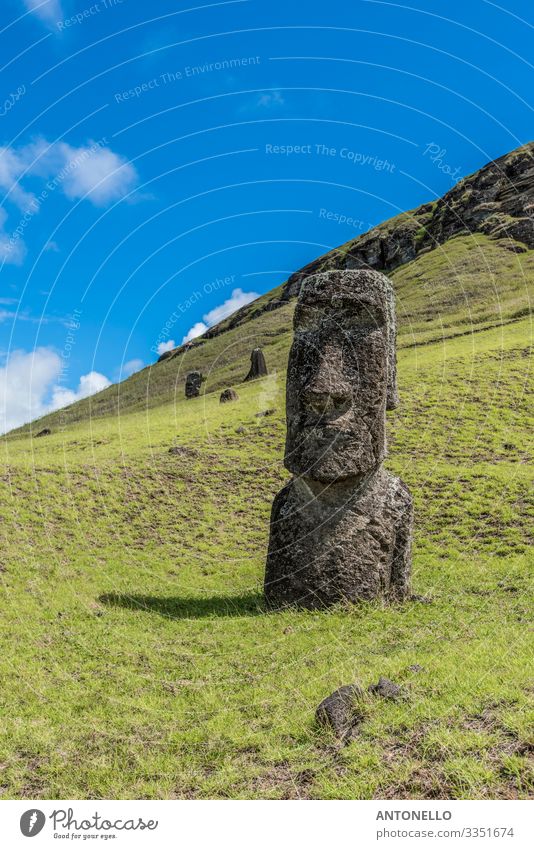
(136, 657)
(467, 284)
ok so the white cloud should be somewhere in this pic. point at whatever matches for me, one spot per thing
(89, 384)
(12, 252)
(91, 171)
(237, 300)
(47, 10)
(95, 172)
(25, 381)
(268, 100)
(29, 387)
(131, 367)
(163, 347)
(197, 330)
(12, 165)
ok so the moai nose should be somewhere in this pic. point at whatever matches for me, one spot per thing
(328, 389)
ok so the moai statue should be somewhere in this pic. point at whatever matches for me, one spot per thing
(193, 382)
(258, 366)
(341, 529)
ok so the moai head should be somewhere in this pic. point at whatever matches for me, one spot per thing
(341, 375)
(193, 382)
(258, 366)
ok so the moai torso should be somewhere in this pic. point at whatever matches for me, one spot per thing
(341, 528)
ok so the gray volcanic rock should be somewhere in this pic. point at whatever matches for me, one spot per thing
(341, 528)
(340, 711)
(330, 544)
(193, 382)
(228, 395)
(258, 366)
(387, 689)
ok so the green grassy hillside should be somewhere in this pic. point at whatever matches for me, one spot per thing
(137, 658)
(469, 283)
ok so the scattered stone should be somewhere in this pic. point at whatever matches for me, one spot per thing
(44, 432)
(340, 711)
(193, 382)
(228, 395)
(183, 450)
(258, 366)
(240, 429)
(341, 529)
(265, 413)
(387, 689)
(508, 446)
(415, 667)
(421, 599)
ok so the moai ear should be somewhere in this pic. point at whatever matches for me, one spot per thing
(392, 397)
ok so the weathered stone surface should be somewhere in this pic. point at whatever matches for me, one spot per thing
(193, 382)
(166, 356)
(258, 366)
(336, 543)
(228, 395)
(340, 711)
(387, 689)
(341, 528)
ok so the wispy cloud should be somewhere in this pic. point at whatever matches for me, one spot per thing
(197, 330)
(270, 99)
(47, 10)
(91, 171)
(129, 368)
(163, 347)
(238, 299)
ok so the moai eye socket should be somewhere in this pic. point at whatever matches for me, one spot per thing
(307, 317)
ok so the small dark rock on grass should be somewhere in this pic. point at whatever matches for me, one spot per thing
(265, 413)
(341, 712)
(44, 432)
(228, 395)
(387, 689)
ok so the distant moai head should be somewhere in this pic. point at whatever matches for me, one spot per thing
(341, 375)
(193, 383)
(258, 366)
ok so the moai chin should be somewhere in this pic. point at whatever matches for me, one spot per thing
(341, 528)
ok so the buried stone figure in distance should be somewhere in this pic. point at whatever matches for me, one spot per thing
(341, 528)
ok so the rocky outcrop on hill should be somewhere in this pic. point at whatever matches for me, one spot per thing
(498, 201)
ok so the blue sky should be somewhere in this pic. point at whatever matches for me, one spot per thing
(161, 164)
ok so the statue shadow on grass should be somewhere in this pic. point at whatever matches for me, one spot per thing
(176, 607)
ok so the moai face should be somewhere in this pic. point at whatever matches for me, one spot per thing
(341, 375)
